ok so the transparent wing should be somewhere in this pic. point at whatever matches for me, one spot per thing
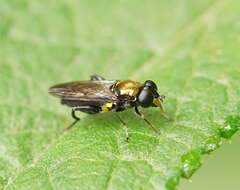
(85, 91)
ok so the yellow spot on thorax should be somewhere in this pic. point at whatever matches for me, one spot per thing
(128, 87)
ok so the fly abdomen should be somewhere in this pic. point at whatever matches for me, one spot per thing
(76, 103)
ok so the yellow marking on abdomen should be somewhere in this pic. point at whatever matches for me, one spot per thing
(107, 107)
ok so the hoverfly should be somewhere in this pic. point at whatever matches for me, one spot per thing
(100, 95)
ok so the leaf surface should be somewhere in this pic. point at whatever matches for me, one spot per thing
(189, 48)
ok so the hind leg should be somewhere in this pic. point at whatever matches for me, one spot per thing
(86, 109)
(96, 77)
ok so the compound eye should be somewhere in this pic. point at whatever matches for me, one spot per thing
(151, 84)
(145, 97)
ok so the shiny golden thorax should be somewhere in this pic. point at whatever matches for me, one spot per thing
(128, 88)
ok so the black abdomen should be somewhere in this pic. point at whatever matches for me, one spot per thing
(76, 103)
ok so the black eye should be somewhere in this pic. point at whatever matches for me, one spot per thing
(145, 97)
(151, 84)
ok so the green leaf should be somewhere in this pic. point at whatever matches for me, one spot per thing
(189, 48)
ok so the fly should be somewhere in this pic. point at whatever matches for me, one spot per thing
(99, 95)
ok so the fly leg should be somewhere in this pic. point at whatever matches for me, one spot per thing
(125, 127)
(74, 117)
(148, 122)
(86, 109)
(96, 77)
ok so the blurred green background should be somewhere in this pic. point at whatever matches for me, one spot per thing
(220, 170)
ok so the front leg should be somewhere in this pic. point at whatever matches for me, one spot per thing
(96, 77)
(143, 118)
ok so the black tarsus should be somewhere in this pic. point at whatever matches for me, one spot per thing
(139, 114)
(97, 77)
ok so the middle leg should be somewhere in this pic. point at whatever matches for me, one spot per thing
(124, 126)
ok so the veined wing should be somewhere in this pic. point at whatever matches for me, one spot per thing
(85, 91)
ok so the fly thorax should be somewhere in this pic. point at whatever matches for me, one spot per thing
(127, 89)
